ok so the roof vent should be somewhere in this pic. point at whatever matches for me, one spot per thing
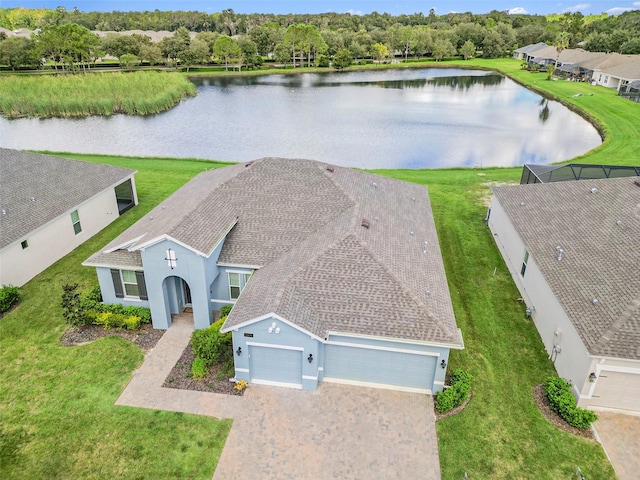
(365, 223)
(150, 217)
(4, 212)
(559, 253)
(33, 199)
(413, 199)
(637, 182)
(594, 190)
(595, 301)
(329, 169)
(411, 233)
(619, 223)
(375, 219)
(375, 185)
(424, 247)
(522, 204)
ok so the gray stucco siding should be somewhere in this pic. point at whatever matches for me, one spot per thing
(272, 349)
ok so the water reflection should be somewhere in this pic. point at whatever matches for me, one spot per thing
(405, 118)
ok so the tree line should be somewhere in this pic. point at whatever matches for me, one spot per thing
(65, 38)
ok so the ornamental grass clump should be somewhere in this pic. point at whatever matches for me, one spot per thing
(457, 393)
(561, 401)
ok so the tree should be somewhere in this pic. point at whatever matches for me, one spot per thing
(151, 53)
(342, 59)
(313, 42)
(493, 45)
(18, 51)
(468, 50)
(117, 45)
(631, 47)
(443, 48)
(294, 40)
(562, 42)
(266, 37)
(198, 52)
(128, 61)
(226, 48)
(380, 51)
(249, 52)
(176, 46)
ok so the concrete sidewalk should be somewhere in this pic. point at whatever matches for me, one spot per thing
(337, 431)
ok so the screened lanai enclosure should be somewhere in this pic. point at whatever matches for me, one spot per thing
(574, 171)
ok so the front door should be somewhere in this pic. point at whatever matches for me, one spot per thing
(187, 294)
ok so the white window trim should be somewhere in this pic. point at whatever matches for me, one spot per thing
(124, 284)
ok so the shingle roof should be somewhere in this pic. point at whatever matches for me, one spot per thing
(531, 48)
(319, 267)
(35, 189)
(599, 233)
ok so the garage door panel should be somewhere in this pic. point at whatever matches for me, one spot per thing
(275, 364)
(379, 366)
(617, 390)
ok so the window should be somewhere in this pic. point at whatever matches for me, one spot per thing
(130, 283)
(237, 282)
(75, 220)
(524, 263)
(24, 244)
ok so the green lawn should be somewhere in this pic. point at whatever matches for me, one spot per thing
(57, 403)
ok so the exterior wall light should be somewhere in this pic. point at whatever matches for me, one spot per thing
(310, 358)
(239, 351)
(443, 363)
(592, 377)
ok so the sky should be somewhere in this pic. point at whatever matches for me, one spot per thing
(355, 7)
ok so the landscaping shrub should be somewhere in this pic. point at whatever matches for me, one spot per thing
(91, 304)
(9, 296)
(225, 311)
(73, 310)
(211, 345)
(199, 368)
(111, 320)
(456, 393)
(561, 401)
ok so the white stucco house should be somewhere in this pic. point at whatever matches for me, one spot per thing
(333, 274)
(573, 250)
(50, 205)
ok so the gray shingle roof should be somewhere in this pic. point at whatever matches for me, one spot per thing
(319, 267)
(35, 189)
(601, 256)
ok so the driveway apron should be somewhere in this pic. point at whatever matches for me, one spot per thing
(337, 431)
(620, 437)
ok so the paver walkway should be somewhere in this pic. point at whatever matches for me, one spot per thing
(338, 431)
(620, 437)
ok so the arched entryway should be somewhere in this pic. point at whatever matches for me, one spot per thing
(177, 295)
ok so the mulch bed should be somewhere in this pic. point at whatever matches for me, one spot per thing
(543, 404)
(215, 382)
(146, 338)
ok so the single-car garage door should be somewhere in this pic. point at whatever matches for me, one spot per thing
(617, 390)
(279, 365)
(375, 366)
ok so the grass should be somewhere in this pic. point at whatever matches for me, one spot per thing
(58, 418)
(134, 93)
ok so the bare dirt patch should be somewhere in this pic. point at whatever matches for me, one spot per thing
(543, 404)
(486, 195)
(146, 338)
(215, 382)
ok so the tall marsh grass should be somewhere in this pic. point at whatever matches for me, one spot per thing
(134, 93)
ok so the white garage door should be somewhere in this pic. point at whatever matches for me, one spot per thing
(382, 367)
(617, 390)
(275, 365)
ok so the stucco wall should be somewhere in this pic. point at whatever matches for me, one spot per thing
(56, 239)
(554, 327)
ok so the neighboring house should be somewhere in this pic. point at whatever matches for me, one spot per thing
(574, 171)
(528, 52)
(334, 274)
(50, 205)
(617, 71)
(573, 250)
(631, 91)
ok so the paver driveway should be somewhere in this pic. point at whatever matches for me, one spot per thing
(338, 431)
(620, 438)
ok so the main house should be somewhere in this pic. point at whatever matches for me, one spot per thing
(50, 205)
(573, 250)
(333, 274)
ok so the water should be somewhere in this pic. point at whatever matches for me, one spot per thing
(405, 118)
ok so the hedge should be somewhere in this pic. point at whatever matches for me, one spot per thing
(457, 393)
(561, 401)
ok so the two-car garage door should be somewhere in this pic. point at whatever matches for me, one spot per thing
(363, 364)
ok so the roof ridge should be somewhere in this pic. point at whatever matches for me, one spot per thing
(622, 319)
(404, 288)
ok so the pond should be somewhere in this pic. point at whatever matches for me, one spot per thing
(400, 118)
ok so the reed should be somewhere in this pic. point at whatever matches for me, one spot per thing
(134, 93)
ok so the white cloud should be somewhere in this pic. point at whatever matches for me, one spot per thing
(577, 8)
(619, 10)
(517, 11)
(636, 4)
